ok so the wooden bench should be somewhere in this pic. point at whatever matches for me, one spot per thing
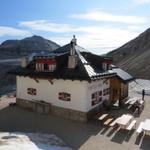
(131, 100)
(136, 111)
(131, 125)
(129, 107)
(139, 129)
(128, 101)
(108, 121)
(103, 116)
(113, 123)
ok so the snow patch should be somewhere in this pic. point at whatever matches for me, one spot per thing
(140, 84)
(31, 141)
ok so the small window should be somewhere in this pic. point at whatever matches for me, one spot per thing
(52, 67)
(64, 96)
(96, 98)
(100, 93)
(39, 66)
(104, 66)
(31, 91)
(105, 91)
(105, 81)
(107, 66)
(93, 96)
(46, 67)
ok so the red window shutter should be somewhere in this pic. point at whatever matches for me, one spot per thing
(64, 96)
(34, 91)
(104, 92)
(31, 91)
(100, 93)
(96, 97)
(60, 95)
(100, 99)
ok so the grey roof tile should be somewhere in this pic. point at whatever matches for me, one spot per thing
(126, 77)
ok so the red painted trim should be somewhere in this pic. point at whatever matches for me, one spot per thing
(50, 62)
(107, 61)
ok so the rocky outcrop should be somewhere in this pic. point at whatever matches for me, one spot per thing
(134, 56)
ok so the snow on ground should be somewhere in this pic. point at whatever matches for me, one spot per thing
(31, 141)
(140, 84)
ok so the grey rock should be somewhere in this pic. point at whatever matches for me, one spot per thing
(134, 56)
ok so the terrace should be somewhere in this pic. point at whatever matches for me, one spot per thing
(85, 136)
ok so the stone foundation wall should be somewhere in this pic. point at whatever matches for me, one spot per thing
(94, 111)
(69, 114)
(36, 106)
(46, 108)
(25, 104)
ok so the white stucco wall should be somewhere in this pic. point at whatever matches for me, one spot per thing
(93, 87)
(49, 92)
(80, 92)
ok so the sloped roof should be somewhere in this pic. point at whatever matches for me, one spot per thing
(85, 70)
(123, 75)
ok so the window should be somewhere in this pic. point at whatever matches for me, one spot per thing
(108, 67)
(100, 93)
(64, 96)
(105, 91)
(104, 66)
(52, 67)
(96, 97)
(31, 91)
(46, 67)
(39, 66)
(105, 81)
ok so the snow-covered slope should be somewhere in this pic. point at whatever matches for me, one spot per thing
(140, 84)
(31, 141)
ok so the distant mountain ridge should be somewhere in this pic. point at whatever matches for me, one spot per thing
(17, 48)
(134, 56)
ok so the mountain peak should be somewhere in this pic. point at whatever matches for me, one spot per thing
(29, 43)
(34, 37)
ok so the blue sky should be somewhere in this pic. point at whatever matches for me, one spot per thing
(99, 25)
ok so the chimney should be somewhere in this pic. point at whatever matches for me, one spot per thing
(24, 62)
(72, 60)
(73, 43)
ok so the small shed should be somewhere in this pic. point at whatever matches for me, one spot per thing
(119, 84)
